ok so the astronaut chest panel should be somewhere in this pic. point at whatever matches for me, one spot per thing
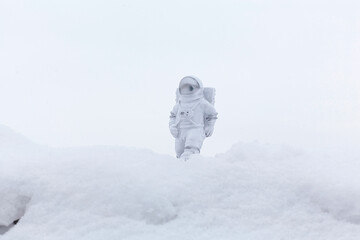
(186, 114)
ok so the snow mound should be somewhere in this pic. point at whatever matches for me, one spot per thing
(254, 191)
(12, 207)
(10, 139)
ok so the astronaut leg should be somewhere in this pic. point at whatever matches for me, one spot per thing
(179, 145)
(193, 142)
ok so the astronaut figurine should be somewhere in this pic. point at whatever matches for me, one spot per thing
(193, 117)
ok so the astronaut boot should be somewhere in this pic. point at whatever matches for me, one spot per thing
(188, 153)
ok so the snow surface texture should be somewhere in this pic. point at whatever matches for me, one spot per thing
(254, 191)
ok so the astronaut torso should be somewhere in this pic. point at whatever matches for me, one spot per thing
(190, 115)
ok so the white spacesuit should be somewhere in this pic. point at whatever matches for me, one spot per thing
(192, 118)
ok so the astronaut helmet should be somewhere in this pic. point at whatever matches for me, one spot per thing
(188, 86)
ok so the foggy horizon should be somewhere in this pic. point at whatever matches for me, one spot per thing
(105, 73)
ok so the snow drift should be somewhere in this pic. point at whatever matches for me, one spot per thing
(254, 191)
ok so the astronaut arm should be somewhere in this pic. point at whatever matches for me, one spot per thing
(210, 119)
(172, 122)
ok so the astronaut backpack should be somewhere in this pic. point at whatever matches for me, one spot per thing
(209, 95)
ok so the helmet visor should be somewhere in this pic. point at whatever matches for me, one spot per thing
(187, 89)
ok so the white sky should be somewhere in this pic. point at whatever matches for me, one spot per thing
(105, 72)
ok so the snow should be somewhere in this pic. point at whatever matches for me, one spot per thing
(12, 207)
(253, 191)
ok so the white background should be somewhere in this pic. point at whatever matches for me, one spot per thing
(105, 72)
